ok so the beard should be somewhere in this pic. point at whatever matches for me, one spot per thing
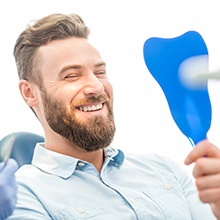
(91, 135)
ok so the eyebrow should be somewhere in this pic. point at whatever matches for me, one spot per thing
(63, 69)
(101, 63)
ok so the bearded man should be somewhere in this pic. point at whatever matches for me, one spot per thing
(75, 173)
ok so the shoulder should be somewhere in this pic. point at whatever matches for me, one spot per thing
(26, 170)
(154, 161)
(149, 158)
(28, 175)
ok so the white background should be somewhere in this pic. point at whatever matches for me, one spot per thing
(119, 29)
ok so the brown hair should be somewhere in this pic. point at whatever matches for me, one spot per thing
(52, 27)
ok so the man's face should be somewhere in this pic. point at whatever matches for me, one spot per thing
(77, 96)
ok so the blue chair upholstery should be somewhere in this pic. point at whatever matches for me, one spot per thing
(23, 146)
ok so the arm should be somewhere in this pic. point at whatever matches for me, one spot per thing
(28, 206)
(8, 188)
(206, 157)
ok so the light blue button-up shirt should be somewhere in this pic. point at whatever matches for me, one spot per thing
(129, 187)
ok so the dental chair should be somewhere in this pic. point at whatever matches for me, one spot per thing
(23, 146)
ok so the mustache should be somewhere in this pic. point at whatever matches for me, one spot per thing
(89, 100)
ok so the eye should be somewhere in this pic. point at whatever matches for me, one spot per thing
(72, 76)
(101, 73)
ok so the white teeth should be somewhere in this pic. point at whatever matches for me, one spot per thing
(93, 107)
(90, 108)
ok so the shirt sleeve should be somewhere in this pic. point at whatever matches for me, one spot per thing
(28, 207)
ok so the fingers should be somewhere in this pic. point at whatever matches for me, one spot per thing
(206, 166)
(209, 181)
(1, 166)
(210, 195)
(10, 167)
(207, 173)
(202, 149)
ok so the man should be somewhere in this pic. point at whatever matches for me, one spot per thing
(75, 173)
(8, 188)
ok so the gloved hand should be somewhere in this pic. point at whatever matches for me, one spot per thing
(8, 188)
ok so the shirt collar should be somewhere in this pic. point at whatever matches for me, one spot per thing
(114, 155)
(53, 162)
(63, 165)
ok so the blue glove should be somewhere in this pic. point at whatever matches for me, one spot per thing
(8, 188)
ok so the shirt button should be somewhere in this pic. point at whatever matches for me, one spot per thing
(167, 186)
(81, 164)
(80, 210)
(131, 200)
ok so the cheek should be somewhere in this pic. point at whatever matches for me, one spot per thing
(108, 88)
(67, 93)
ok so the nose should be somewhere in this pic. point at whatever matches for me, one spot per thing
(92, 86)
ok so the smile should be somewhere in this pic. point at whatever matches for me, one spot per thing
(90, 108)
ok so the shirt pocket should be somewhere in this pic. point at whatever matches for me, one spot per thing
(169, 197)
(84, 211)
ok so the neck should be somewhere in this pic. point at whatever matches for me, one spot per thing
(63, 146)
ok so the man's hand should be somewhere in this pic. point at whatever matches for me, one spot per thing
(206, 172)
(8, 188)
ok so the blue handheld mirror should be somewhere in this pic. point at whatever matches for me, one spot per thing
(190, 107)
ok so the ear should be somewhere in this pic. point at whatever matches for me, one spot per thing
(29, 92)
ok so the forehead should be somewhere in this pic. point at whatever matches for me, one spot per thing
(72, 51)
